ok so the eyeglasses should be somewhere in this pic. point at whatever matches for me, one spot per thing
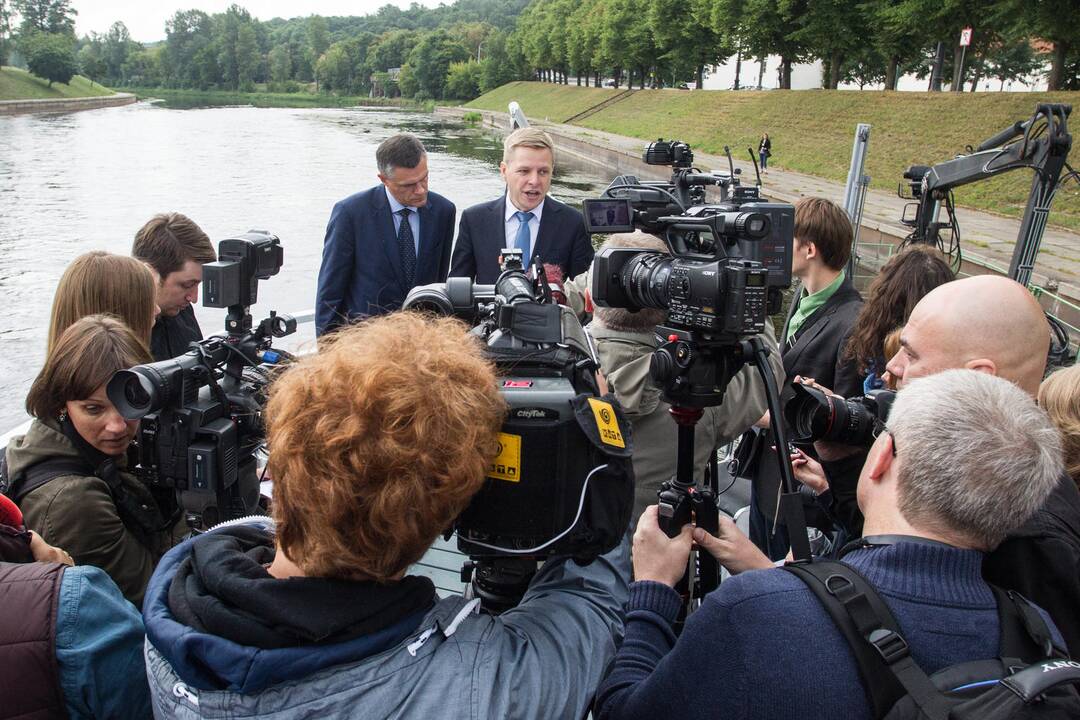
(879, 428)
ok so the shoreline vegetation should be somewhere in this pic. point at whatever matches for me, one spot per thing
(215, 98)
(812, 130)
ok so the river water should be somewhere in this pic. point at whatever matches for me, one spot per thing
(83, 181)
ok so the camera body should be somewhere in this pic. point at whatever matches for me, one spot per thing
(557, 486)
(814, 415)
(201, 412)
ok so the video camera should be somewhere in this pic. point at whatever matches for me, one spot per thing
(562, 481)
(202, 411)
(814, 415)
(729, 265)
(730, 262)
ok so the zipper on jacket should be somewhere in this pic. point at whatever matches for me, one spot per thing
(180, 690)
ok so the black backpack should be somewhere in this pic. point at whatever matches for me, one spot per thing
(1032, 678)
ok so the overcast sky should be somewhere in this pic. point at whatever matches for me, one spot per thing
(145, 19)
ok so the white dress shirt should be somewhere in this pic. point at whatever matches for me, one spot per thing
(414, 219)
(511, 223)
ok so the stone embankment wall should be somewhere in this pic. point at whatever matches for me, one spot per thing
(18, 107)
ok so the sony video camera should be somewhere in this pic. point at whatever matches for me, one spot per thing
(202, 411)
(814, 415)
(562, 481)
(729, 265)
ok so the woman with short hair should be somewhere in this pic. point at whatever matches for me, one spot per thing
(68, 472)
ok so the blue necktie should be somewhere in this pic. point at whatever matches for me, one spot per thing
(524, 238)
(406, 247)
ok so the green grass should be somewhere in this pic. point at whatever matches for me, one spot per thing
(556, 103)
(214, 98)
(16, 84)
(812, 130)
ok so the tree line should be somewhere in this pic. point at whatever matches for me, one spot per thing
(461, 50)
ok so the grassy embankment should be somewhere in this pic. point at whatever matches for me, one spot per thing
(214, 98)
(16, 84)
(812, 130)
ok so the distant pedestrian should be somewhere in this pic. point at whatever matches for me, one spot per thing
(764, 151)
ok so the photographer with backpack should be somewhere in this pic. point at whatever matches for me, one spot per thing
(965, 459)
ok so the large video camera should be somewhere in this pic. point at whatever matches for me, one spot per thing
(202, 411)
(561, 483)
(814, 415)
(730, 262)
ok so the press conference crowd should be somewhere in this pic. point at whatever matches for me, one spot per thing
(962, 516)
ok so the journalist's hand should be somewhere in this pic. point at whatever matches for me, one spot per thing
(44, 552)
(732, 549)
(656, 556)
(809, 472)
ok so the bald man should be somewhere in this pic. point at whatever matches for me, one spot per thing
(994, 325)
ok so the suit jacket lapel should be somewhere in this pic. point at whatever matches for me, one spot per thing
(384, 221)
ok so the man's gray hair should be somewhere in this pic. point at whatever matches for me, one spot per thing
(620, 318)
(977, 456)
(402, 150)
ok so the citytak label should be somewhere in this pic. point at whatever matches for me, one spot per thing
(507, 464)
(607, 423)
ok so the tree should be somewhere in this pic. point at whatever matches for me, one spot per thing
(769, 27)
(407, 82)
(430, 62)
(1059, 22)
(829, 29)
(118, 44)
(50, 56)
(189, 60)
(47, 16)
(496, 67)
(280, 64)
(6, 12)
(463, 80)
(91, 58)
(1013, 61)
(318, 37)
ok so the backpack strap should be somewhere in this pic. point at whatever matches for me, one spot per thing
(1024, 633)
(38, 474)
(883, 656)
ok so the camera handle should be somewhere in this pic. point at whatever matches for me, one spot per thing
(791, 506)
(680, 500)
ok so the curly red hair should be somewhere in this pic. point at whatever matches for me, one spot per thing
(378, 442)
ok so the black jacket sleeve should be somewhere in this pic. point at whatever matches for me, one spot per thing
(463, 263)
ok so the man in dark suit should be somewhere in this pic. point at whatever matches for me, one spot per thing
(383, 241)
(822, 314)
(523, 218)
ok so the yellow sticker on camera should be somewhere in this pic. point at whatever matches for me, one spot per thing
(607, 423)
(507, 464)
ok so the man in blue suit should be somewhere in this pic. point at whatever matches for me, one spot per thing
(524, 218)
(383, 241)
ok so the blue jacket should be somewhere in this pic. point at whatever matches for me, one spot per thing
(99, 638)
(361, 270)
(762, 646)
(542, 659)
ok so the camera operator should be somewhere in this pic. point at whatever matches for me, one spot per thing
(625, 342)
(966, 458)
(68, 474)
(69, 641)
(314, 612)
(819, 321)
(176, 248)
(994, 325)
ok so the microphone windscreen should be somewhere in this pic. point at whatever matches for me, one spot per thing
(10, 513)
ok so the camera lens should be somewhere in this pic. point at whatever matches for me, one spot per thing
(135, 394)
(645, 278)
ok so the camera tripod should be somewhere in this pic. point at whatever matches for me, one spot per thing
(680, 499)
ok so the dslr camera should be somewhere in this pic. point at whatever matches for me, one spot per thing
(730, 262)
(562, 482)
(201, 412)
(813, 415)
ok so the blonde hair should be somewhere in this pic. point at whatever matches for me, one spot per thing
(529, 137)
(102, 283)
(1059, 396)
(378, 442)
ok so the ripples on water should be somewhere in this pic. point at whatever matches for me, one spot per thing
(75, 182)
